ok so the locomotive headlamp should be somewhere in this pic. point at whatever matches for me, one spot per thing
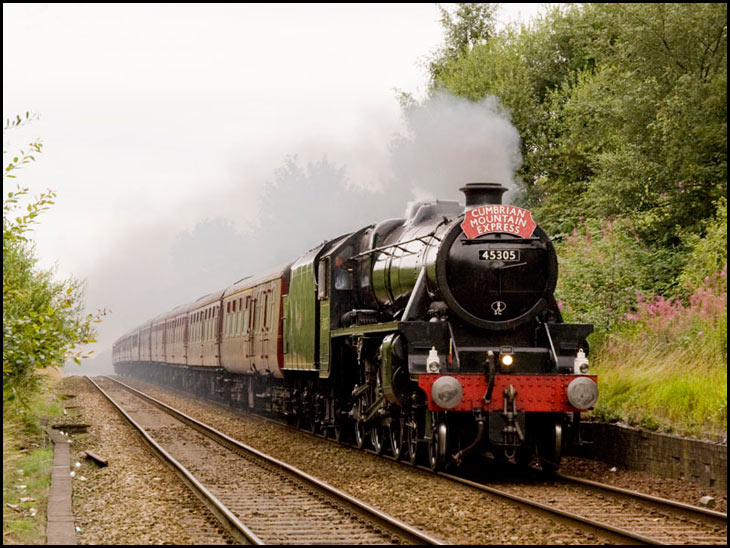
(580, 364)
(505, 356)
(433, 363)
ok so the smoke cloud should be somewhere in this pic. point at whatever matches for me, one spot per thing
(315, 194)
(452, 141)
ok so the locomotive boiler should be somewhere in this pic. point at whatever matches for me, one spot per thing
(435, 336)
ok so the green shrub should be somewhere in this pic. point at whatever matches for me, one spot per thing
(43, 319)
(664, 365)
(600, 268)
(707, 255)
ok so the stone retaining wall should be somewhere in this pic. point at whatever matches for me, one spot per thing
(704, 463)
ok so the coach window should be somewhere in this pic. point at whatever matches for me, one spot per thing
(232, 329)
(239, 316)
(266, 311)
(247, 315)
(257, 314)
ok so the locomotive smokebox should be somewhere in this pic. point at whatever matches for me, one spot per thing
(478, 194)
(499, 279)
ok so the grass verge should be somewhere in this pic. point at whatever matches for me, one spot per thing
(27, 463)
(665, 367)
(668, 393)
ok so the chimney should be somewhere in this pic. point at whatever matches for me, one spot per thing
(478, 194)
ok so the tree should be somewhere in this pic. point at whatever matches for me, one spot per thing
(651, 117)
(622, 110)
(471, 24)
(43, 320)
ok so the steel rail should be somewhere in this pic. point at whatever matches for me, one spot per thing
(605, 530)
(228, 520)
(659, 501)
(610, 532)
(616, 534)
(409, 533)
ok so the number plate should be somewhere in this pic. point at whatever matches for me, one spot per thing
(499, 255)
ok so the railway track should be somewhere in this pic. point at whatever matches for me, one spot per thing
(710, 519)
(611, 513)
(619, 515)
(258, 499)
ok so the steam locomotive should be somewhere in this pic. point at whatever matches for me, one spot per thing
(433, 337)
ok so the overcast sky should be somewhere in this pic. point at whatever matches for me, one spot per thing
(167, 129)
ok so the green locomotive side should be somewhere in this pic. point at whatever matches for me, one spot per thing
(302, 316)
